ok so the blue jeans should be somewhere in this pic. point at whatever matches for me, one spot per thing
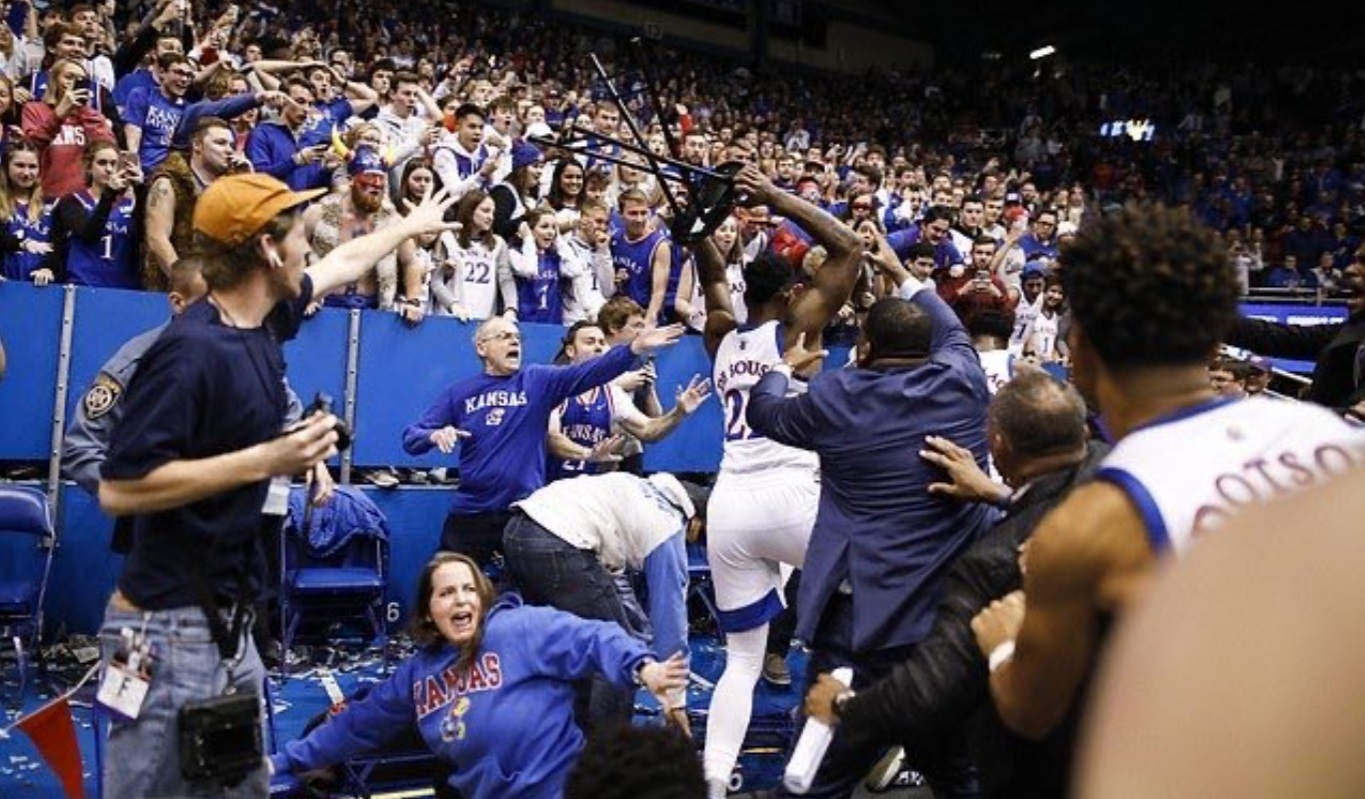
(549, 571)
(142, 758)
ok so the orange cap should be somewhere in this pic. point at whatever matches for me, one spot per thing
(235, 207)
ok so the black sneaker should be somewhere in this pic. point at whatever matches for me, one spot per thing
(775, 671)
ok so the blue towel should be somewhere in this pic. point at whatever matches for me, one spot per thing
(349, 514)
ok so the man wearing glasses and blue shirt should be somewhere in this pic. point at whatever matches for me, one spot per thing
(500, 418)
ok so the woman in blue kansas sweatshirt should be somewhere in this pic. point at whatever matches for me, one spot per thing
(491, 689)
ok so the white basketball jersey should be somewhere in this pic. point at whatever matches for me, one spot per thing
(478, 273)
(1189, 472)
(999, 368)
(743, 357)
(1024, 314)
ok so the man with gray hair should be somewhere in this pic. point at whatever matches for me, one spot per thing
(500, 417)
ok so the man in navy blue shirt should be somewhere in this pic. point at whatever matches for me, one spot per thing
(881, 542)
(500, 417)
(199, 458)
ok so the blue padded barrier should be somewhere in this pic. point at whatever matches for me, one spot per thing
(84, 571)
(316, 360)
(121, 315)
(31, 327)
(401, 372)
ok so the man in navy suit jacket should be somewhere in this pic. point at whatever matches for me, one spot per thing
(881, 541)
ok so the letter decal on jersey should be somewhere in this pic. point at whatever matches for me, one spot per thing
(1263, 479)
(1333, 460)
(1300, 474)
(439, 690)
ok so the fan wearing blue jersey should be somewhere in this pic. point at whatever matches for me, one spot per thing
(94, 230)
(537, 267)
(1152, 295)
(763, 506)
(585, 432)
(642, 255)
(25, 217)
(499, 419)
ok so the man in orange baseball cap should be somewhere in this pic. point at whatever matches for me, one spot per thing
(199, 464)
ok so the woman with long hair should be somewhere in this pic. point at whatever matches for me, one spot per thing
(690, 305)
(416, 181)
(62, 124)
(476, 281)
(94, 230)
(566, 193)
(541, 282)
(11, 114)
(513, 199)
(491, 688)
(26, 235)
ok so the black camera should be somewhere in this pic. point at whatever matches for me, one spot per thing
(323, 403)
(220, 739)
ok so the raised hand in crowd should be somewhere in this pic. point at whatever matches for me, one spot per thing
(691, 397)
(655, 338)
(429, 215)
(636, 379)
(608, 450)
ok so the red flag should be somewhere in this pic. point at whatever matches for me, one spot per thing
(54, 735)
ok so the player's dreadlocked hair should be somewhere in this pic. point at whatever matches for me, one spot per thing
(630, 762)
(1150, 286)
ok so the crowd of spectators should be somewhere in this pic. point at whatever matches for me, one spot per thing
(1270, 156)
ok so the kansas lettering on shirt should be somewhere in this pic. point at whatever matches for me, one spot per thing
(438, 690)
(503, 458)
(109, 260)
(637, 259)
(157, 116)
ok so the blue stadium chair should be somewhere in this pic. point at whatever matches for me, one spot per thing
(26, 521)
(334, 564)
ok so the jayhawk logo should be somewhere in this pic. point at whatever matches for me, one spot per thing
(494, 417)
(452, 726)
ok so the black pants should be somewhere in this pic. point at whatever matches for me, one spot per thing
(947, 767)
(549, 571)
(782, 628)
(477, 535)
